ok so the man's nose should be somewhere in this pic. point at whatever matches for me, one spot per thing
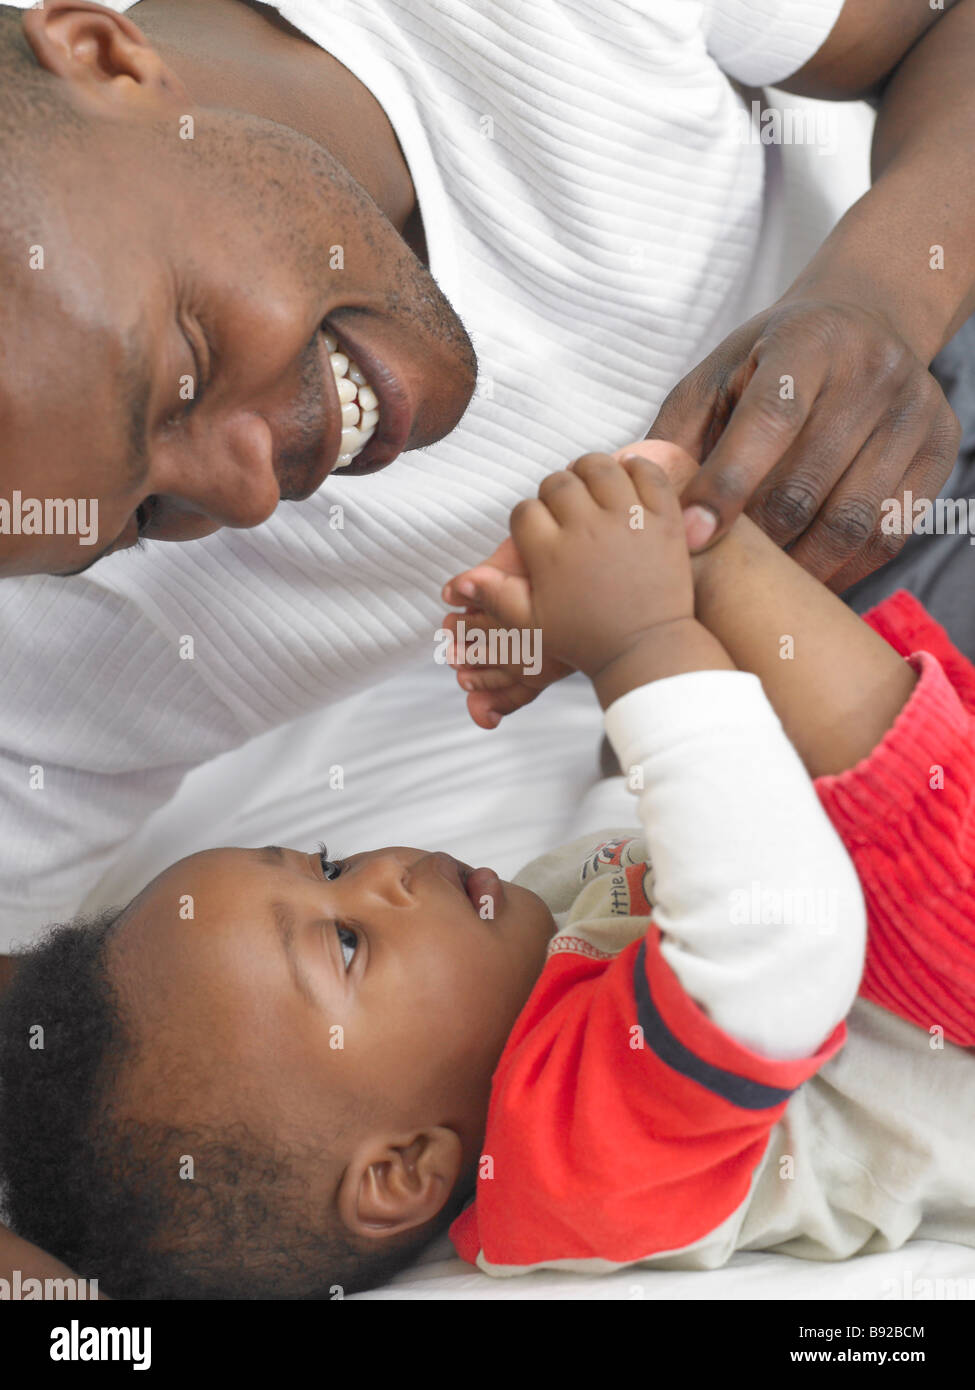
(228, 475)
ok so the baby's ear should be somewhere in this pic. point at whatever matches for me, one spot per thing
(676, 462)
(394, 1184)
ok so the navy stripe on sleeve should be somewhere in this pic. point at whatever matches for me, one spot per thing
(747, 1095)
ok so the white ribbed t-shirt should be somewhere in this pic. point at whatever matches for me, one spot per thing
(593, 213)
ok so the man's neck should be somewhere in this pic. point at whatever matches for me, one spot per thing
(243, 55)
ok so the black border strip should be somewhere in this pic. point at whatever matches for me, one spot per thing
(739, 1090)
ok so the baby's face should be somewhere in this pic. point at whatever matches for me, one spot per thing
(297, 985)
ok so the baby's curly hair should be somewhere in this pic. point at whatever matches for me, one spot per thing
(103, 1192)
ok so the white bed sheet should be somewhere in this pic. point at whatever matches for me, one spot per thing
(894, 1276)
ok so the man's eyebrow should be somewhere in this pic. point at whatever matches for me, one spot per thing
(285, 921)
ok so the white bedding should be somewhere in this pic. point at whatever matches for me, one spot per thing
(896, 1277)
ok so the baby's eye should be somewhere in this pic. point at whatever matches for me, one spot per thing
(330, 868)
(345, 932)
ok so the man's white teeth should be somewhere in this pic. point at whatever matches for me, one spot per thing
(360, 404)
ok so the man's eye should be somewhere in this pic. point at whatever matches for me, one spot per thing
(191, 383)
(330, 868)
(347, 945)
(143, 516)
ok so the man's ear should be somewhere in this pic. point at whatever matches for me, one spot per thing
(108, 61)
(396, 1183)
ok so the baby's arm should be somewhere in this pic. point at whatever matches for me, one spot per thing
(759, 904)
(836, 685)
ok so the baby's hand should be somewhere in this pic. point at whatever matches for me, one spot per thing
(607, 559)
(496, 594)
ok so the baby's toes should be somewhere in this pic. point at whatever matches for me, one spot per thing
(488, 707)
(484, 677)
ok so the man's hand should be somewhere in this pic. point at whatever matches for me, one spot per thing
(809, 416)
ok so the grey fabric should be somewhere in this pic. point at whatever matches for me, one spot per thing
(940, 570)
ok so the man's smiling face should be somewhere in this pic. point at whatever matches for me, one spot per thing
(168, 357)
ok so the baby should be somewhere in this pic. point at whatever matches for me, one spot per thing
(279, 1074)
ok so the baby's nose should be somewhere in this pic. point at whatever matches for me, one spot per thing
(390, 876)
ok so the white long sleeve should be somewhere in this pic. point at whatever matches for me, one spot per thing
(757, 899)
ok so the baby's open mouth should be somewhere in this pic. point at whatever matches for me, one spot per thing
(359, 402)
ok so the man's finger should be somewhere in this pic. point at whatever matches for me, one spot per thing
(687, 415)
(787, 501)
(769, 417)
(883, 546)
(924, 479)
(849, 520)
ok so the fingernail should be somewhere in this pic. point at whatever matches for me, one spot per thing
(465, 587)
(493, 719)
(699, 526)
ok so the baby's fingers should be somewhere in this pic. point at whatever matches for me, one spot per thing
(654, 488)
